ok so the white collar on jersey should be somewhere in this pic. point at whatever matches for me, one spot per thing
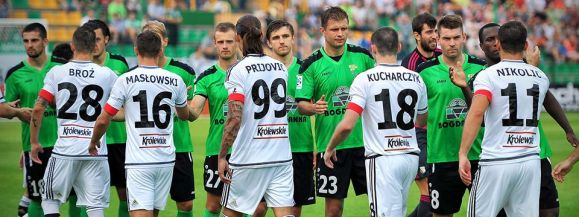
(513, 61)
(148, 67)
(388, 65)
(80, 61)
(255, 55)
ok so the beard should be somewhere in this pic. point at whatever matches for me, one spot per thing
(34, 54)
(426, 46)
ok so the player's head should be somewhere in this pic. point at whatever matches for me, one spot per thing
(424, 30)
(148, 45)
(385, 42)
(62, 51)
(334, 26)
(159, 28)
(224, 40)
(280, 37)
(35, 40)
(83, 40)
(488, 37)
(513, 37)
(103, 35)
(248, 30)
(451, 36)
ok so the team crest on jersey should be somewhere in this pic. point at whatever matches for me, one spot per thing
(290, 104)
(353, 67)
(456, 109)
(341, 96)
(299, 81)
(225, 109)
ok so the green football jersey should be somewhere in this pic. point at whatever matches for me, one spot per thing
(447, 110)
(210, 85)
(24, 82)
(116, 133)
(300, 127)
(181, 134)
(321, 75)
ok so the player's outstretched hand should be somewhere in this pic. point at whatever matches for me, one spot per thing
(25, 114)
(329, 157)
(321, 105)
(457, 76)
(572, 139)
(561, 169)
(532, 54)
(92, 148)
(223, 167)
(14, 104)
(34, 150)
(464, 170)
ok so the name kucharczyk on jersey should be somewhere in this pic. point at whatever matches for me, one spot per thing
(393, 76)
(264, 67)
(161, 79)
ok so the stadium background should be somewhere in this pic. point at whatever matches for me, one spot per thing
(552, 25)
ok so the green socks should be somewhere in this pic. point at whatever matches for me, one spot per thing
(123, 209)
(206, 213)
(181, 213)
(35, 209)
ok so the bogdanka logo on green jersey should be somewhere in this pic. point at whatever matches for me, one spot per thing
(456, 109)
(341, 96)
(290, 104)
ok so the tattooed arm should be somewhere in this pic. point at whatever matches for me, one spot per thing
(35, 124)
(232, 125)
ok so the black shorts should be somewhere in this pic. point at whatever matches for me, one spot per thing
(116, 158)
(422, 165)
(549, 198)
(183, 185)
(334, 183)
(35, 173)
(304, 189)
(211, 181)
(446, 188)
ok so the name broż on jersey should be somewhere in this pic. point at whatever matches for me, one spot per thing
(165, 80)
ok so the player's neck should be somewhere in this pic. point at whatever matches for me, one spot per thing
(511, 56)
(225, 63)
(162, 60)
(490, 61)
(82, 56)
(147, 61)
(287, 60)
(452, 62)
(39, 61)
(424, 53)
(388, 59)
(332, 51)
(100, 59)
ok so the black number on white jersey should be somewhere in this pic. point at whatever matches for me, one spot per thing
(88, 101)
(267, 94)
(511, 92)
(141, 98)
(384, 97)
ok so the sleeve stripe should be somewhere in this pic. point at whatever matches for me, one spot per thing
(112, 111)
(486, 93)
(47, 96)
(236, 97)
(422, 109)
(181, 104)
(355, 107)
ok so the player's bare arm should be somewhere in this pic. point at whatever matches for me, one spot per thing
(471, 127)
(100, 127)
(309, 108)
(342, 131)
(565, 166)
(232, 125)
(196, 106)
(120, 116)
(184, 113)
(35, 124)
(554, 109)
(7, 111)
(422, 120)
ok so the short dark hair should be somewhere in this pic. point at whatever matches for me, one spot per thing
(148, 44)
(421, 19)
(36, 27)
(333, 13)
(99, 24)
(224, 27)
(84, 40)
(248, 28)
(62, 51)
(386, 41)
(482, 29)
(452, 21)
(278, 24)
(513, 36)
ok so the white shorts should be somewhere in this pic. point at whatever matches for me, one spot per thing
(89, 178)
(389, 179)
(148, 188)
(514, 187)
(249, 185)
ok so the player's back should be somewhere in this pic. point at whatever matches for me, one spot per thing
(260, 82)
(516, 91)
(149, 95)
(80, 90)
(391, 96)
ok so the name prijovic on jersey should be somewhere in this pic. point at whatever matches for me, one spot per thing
(79, 89)
(388, 97)
(262, 141)
(148, 95)
(515, 91)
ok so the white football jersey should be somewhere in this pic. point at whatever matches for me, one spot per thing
(260, 83)
(79, 89)
(2, 100)
(516, 91)
(149, 95)
(388, 97)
